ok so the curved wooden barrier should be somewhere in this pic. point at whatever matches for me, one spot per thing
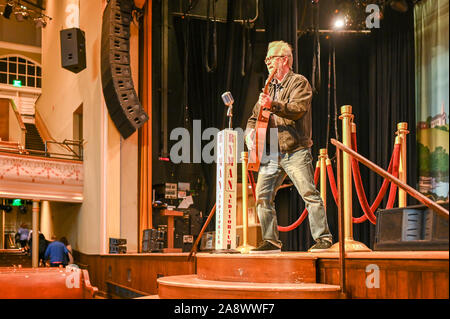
(45, 283)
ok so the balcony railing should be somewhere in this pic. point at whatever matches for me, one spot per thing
(74, 149)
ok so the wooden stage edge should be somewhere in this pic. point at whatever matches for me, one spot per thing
(292, 254)
(402, 274)
(356, 255)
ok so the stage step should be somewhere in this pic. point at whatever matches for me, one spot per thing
(191, 287)
(148, 297)
(284, 267)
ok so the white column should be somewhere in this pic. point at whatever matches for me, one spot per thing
(46, 220)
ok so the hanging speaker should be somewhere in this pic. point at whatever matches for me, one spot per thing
(73, 49)
(120, 96)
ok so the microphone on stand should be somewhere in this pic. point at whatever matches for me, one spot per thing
(228, 100)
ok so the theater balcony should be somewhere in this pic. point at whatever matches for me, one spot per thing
(41, 175)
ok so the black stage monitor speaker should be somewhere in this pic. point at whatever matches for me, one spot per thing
(411, 228)
(73, 49)
(120, 96)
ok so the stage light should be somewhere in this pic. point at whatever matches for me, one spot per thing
(399, 5)
(6, 208)
(40, 22)
(7, 11)
(23, 209)
(339, 23)
(21, 16)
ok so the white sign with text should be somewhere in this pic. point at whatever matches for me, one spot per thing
(226, 189)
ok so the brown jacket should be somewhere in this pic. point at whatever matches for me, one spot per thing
(291, 113)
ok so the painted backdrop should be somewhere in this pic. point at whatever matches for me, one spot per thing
(432, 96)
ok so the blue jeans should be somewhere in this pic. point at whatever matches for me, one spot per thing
(273, 170)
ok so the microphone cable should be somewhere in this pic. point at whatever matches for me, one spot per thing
(316, 82)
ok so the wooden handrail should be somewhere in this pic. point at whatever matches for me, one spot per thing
(18, 116)
(411, 191)
(42, 127)
(194, 247)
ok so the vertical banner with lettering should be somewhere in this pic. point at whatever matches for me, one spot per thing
(226, 190)
(432, 97)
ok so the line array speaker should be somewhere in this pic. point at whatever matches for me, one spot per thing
(121, 99)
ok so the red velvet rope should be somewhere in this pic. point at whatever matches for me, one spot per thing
(358, 183)
(305, 211)
(332, 182)
(369, 211)
(377, 200)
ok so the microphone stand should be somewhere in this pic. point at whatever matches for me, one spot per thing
(230, 116)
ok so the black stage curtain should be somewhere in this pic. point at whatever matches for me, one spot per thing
(280, 21)
(204, 89)
(374, 74)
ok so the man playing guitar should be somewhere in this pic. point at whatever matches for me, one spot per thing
(289, 102)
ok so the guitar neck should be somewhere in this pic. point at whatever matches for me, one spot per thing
(266, 87)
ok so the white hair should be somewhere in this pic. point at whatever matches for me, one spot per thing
(283, 48)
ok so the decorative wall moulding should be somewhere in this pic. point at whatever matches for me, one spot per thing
(41, 178)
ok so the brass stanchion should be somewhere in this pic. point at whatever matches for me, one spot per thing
(35, 235)
(245, 247)
(323, 175)
(402, 131)
(347, 126)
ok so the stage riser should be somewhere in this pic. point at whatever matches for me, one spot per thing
(398, 279)
(190, 287)
(194, 293)
(257, 269)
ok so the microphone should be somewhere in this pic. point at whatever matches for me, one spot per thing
(227, 99)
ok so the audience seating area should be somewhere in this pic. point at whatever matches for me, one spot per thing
(14, 257)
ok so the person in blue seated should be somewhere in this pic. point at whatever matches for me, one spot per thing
(57, 254)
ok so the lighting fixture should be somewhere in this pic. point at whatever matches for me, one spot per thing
(21, 15)
(399, 5)
(339, 23)
(40, 22)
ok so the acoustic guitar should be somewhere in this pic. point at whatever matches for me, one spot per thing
(255, 155)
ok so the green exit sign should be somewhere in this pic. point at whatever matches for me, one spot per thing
(17, 83)
(16, 202)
